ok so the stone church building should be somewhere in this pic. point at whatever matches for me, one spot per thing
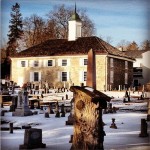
(63, 62)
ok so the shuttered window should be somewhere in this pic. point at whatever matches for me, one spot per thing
(64, 62)
(64, 76)
(50, 63)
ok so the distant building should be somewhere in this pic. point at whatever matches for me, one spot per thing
(141, 67)
(63, 62)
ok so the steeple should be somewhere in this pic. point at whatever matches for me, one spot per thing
(75, 25)
(75, 16)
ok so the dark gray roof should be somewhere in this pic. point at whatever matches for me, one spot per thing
(82, 45)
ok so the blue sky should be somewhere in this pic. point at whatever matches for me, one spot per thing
(120, 19)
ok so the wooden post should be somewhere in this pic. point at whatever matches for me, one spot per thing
(11, 127)
(143, 128)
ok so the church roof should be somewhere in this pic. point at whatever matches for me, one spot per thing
(60, 47)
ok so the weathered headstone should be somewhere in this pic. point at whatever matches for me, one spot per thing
(110, 109)
(57, 110)
(32, 139)
(14, 103)
(11, 127)
(143, 128)
(62, 111)
(71, 119)
(88, 126)
(46, 115)
(51, 109)
(22, 107)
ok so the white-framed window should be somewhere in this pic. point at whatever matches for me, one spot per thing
(83, 76)
(64, 76)
(36, 63)
(50, 63)
(64, 62)
(126, 64)
(83, 61)
(35, 76)
(126, 78)
(23, 63)
(111, 62)
(111, 76)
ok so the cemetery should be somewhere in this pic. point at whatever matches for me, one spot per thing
(122, 128)
(80, 117)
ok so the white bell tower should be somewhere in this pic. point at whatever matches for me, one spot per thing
(74, 29)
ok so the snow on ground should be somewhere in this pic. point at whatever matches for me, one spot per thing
(56, 135)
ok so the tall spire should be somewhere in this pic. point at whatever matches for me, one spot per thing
(75, 25)
(75, 9)
(75, 16)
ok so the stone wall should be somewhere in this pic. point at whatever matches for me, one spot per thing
(51, 74)
(119, 74)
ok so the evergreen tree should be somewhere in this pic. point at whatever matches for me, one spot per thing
(15, 29)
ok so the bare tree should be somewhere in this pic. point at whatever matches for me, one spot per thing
(61, 15)
(37, 30)
(123, 44)
(109, 39)
(145, 45)
(33, 30)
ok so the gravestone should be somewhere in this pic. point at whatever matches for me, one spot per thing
(14, 103)
(71, 120)
(22, 106)
(46, 115)
(110, 109)
(57, 110)
(11, 127)
(88, 125)
(143, 128)
(32, 139)
(62, 111)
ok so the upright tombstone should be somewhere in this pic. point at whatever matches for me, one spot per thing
(88, 125)
(14, 103)
(22, 106)
(143, 128)
(57, 110)
(70, 120)
(62, 110)
(32, 139)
